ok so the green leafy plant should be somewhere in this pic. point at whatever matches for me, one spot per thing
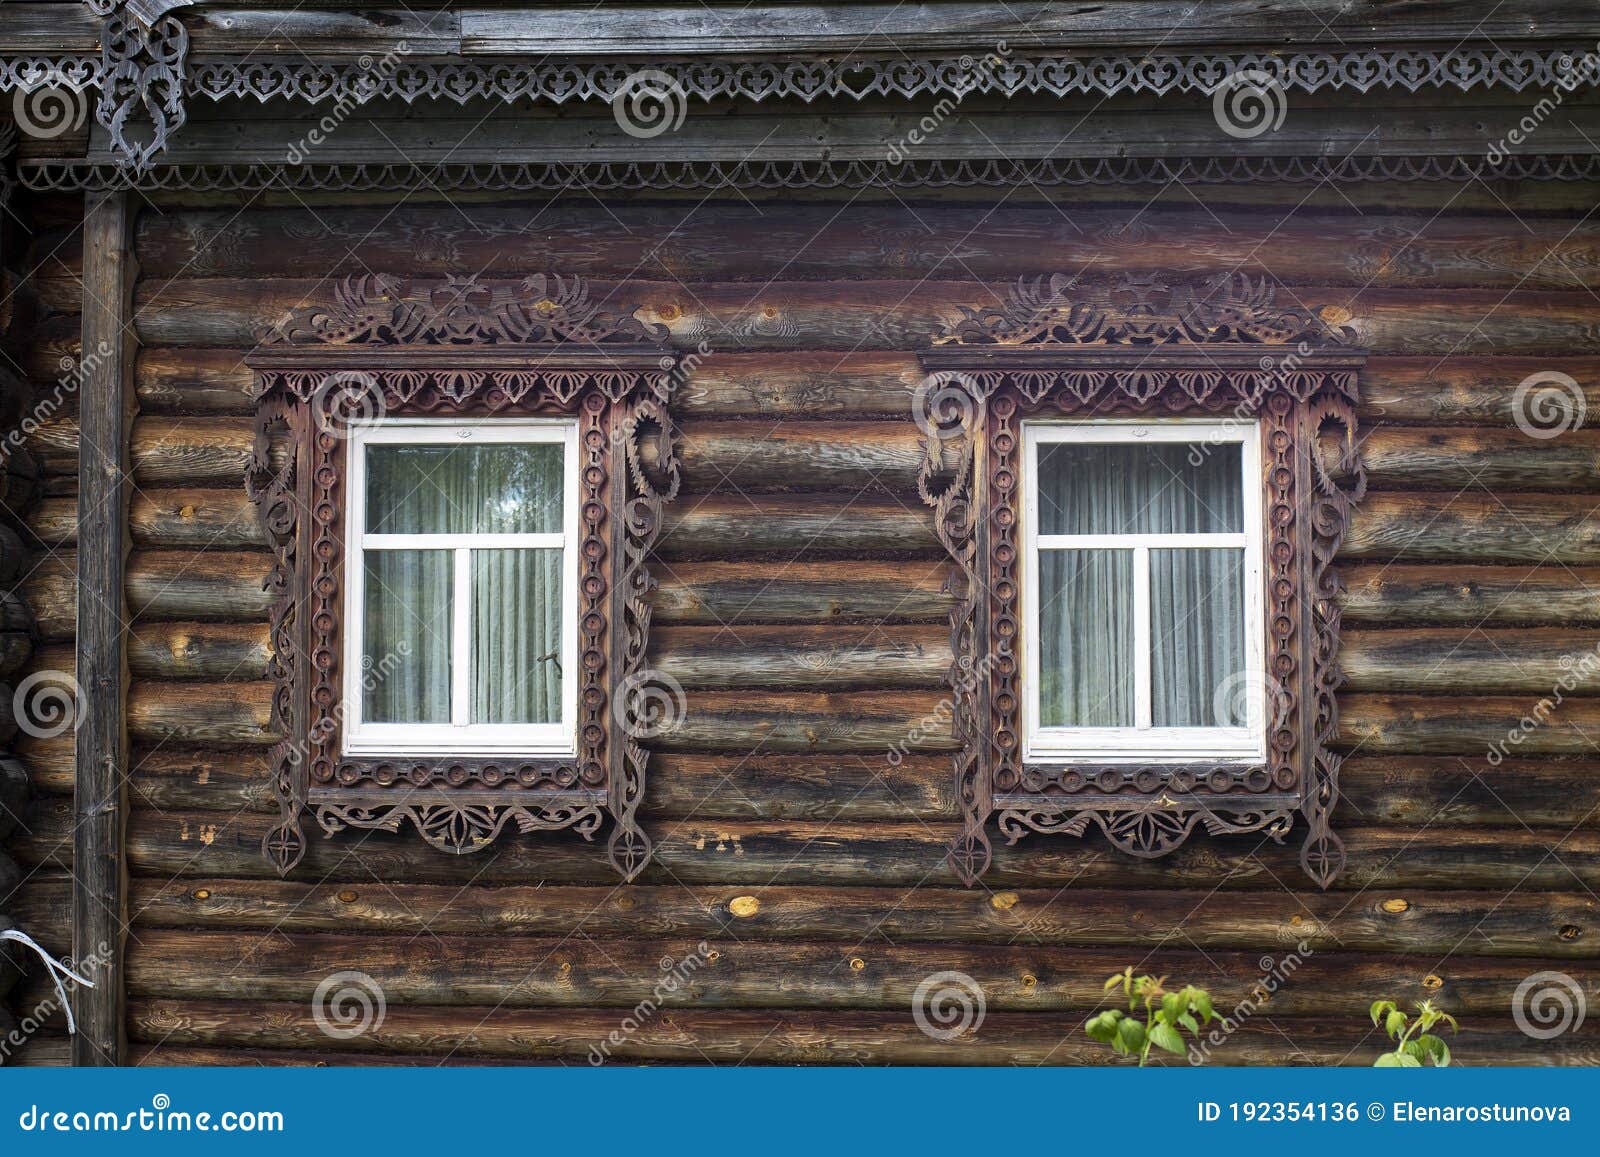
(1165, 1014)
(1414, 1045)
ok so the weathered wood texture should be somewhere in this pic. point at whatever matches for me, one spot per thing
(100, 798)
(802, 809)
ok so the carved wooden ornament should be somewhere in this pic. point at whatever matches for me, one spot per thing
(383, 348)
(1148, 347)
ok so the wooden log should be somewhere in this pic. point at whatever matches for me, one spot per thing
(1453, 790)
(1481, 728)
(707, 785)
(1478, 459)
(785, 28)
(166, 451)
(739, 785)
(775, 455)
(753, 456)
(1394, 594)
(42, 1051)
(763, 591)
(881, 725)
(814, 657)
(14, 795)
(769, 853)
(729, 973)
(204, 1033)
(903, 315)
(194, 381)
(205, 586)
(13, 555)
(1465, 390)
(791, 525)
(220, 519)
(214, 651)
(871, 241)
(1426, 525)
(199, 650)
(16, 635)
(1495, 662)
(1454, 390)
(10, 878)
(1559, 528)
(221, 713)
(1403, 921)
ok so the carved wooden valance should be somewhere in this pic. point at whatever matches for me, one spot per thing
(383, 348)
(1148, 347)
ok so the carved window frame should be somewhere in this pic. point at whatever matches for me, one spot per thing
(1144, 347)
(473, 349)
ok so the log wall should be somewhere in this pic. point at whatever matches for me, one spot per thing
(801, 606)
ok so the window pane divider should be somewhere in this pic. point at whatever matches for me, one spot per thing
(1218, 540)
(461, 640)
(457, 541)
(1143, 712)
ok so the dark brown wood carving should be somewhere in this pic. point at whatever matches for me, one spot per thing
(472, 348)
(1147, 346)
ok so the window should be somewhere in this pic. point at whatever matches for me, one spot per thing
(461, 482)
(1142, 594)
(1131, 476)
(461, 588)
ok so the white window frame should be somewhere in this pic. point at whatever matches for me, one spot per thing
(1144, 742)
(459, 737)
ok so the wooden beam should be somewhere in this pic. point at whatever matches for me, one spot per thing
(99, 900)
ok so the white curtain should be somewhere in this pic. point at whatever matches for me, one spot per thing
(516, 636)
(516, 598)
(406, 665)
(1086, 609)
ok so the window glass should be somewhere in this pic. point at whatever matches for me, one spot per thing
(1086, 643)
(516, 636)
(1139, 488)
(405, 660)
(1197, 638)
(485, 489)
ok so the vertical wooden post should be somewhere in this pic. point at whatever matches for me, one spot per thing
(106, 404)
